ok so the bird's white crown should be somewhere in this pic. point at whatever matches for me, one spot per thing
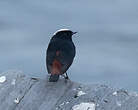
(61, 30)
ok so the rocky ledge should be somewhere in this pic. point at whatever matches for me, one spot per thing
(20, 92)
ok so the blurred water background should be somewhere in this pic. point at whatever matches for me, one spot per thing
(107, 39)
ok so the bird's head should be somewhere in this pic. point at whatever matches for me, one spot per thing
(64, 34)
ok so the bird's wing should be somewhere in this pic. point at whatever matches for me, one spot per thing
(60, 55)
(66, 56)
(53, 53)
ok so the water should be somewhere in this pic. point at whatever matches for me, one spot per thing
(107, 39)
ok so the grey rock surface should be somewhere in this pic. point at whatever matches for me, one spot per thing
(20, 92)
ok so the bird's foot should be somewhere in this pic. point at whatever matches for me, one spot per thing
(67, 79)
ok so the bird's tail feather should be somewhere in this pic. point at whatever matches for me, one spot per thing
(54, 78)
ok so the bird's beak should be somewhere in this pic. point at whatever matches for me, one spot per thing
(74, 33)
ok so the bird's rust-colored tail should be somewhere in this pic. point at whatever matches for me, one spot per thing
(56, 67)
(54, 78)
(56, 71)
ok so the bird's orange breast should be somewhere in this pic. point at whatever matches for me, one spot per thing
(56, 67)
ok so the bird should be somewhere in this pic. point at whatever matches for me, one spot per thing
(60, 54)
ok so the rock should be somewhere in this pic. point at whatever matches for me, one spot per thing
(20, 92)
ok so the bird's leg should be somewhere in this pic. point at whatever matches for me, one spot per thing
(63, 75)
(66, 76)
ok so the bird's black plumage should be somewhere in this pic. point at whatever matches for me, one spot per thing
(60, 54)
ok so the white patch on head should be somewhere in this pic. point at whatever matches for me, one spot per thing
(61, 30)
(84, 106)
(2, 79)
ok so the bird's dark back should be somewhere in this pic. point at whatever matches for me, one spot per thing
(66, 50)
